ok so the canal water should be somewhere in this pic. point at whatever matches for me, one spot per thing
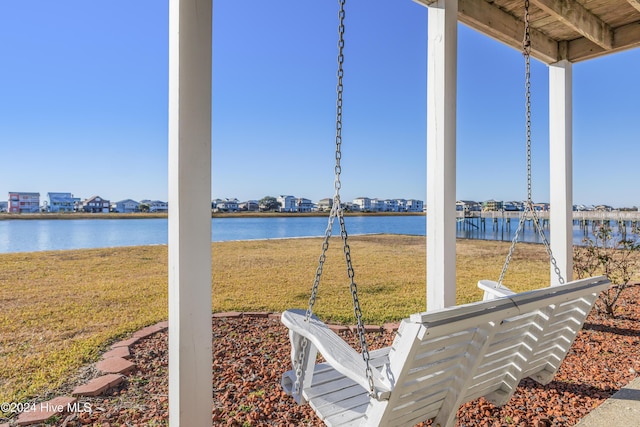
(43, 235)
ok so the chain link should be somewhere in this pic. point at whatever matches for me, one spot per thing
(337, 211)
(513, 245)
(526, 51)
(353, 287)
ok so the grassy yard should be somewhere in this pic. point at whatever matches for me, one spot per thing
(60, 309)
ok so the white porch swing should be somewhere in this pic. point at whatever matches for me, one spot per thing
(442, 358)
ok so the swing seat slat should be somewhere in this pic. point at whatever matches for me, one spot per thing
(441, 359)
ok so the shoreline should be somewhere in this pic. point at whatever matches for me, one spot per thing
(78, 215)
(115, 215)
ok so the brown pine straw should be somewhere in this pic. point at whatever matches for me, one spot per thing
(250, 354)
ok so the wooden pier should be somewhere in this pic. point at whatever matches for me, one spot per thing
(585, 219)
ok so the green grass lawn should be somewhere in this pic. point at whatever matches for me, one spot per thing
(60, 309)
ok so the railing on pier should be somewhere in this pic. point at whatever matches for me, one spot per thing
(584, 219)
(618, 216)
(498, 219)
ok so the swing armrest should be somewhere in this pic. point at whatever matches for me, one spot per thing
(493, 290)
(342, 357)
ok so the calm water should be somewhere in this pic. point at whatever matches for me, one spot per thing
(42, 235)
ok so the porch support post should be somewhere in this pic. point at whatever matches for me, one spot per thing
(561, 168)
(441, 153)
(190, 374)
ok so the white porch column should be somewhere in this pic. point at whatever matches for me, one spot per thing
(441, 153)
(190, 376)
(561, 168)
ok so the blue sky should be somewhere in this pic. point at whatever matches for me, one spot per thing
(83, 104)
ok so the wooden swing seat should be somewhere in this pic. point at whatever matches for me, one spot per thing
(441, 359)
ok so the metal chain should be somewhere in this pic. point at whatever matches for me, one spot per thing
(353, 287)
(513, 244)
(337, 211)
(312, 299)
(547, 246)
(526, 50)
(339, 90)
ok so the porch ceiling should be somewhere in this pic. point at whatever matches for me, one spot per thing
(575, 30)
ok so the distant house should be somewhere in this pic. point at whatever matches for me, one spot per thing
(304, 205)
(23, 202)
(61, 202)
(468, 206)
(4, 206)
(364, 203)
(492, 205)
(391, 205)
(402, 205)
(96, 204)
(377, 205)
(583, 208)
(287, 203)
(603, 208)
(249, 206)
(156, 206)
(541, 206)
(227, 205)
(350, 207)
(415, 205)
(126, 206)
(325, 204)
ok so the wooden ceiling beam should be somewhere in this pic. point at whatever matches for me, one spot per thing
(598, 38)
(574, 15)
(626, 37)
(500, 25)
(635, 4)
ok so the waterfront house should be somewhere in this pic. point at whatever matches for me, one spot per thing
(492, 205)
(414, 205)
(126, 206)
(467, 206)
(61, 202)
(377, 205)
(96, 204)
(603, 208)
(304, 205)
(227, 205)
(350, 207)
(249, 206)
(21, 202)
(325, 204)
(287, 203)
(364, 203)
(156, 206)
(4, 206)
(391, 205)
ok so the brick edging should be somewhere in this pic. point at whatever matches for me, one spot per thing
(114, 365)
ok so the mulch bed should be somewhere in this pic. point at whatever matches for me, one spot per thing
(250, 354)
